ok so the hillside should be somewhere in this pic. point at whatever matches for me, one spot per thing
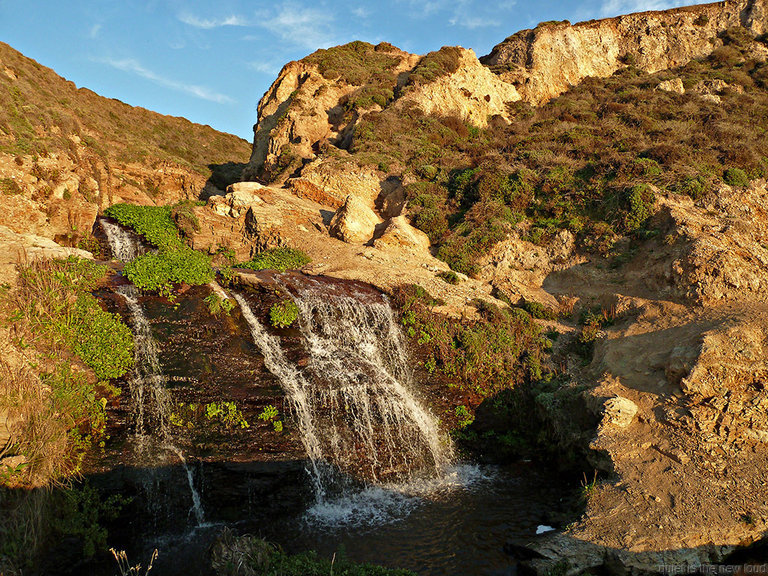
(66, 152)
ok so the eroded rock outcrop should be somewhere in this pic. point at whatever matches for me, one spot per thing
(544, 62)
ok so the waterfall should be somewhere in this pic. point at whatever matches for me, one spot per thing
(124, 245)
(151, 400)
(353, 400)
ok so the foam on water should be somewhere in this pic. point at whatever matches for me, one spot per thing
(375, 505)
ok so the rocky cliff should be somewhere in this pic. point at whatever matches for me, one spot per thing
(616, 201)
(306, 109)
(544, 62)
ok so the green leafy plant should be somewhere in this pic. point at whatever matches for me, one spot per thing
(280, 259)
(227, 414)
(160, 271)
(284, 313)
(216, 304)
(154, 223)
(268, 413)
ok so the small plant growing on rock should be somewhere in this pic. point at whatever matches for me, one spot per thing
(227, 414)
(284, 313)
(449, 276)
(280, 259)
(268, 413)
(216, 304)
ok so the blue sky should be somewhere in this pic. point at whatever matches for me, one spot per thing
(212, 61)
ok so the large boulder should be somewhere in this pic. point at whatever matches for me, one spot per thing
(355, 222)
(400, 235)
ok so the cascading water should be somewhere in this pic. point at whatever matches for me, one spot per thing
(353, 405)
(150, 398)
(124, 245)
(151, 401)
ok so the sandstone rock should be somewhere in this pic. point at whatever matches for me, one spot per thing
(400, 235)
(330, 180)
(239, 198)
(618, 412)
(354, 222)
(25, 248)
(545, 62)
(673, 85)
(472, 92)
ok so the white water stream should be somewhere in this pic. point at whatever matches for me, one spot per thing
(355, 411)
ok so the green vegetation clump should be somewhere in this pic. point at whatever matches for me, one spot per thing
(57, 301)
(154, 223)
(260, 557)
(57, 324)
(435, 65)
(280, 259)
(227, 414)
(736, 177)
(174, 263)
(216, 304)
(159, 271)
(9, 187)
(492, 353)
(354, 63)
(284, 313)
(449, 276)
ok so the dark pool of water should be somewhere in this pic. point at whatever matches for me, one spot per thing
(459, 525)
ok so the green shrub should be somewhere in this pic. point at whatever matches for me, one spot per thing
(736, 177)
(284, 313)
(280, 259)
(10, 187)
(216, 304)
(158, 272)
(354, 63)
(435, 65)
(449, 276)
(639, 206)
(538, 310)
(154, 223)
(486, 355)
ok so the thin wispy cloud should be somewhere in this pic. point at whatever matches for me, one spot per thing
(305, 27)
(134, 67)
(467, 14)
(271, 68)
(209, 23)
(616, 7)
(94, 31)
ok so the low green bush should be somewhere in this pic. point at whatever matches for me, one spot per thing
(736, 177)
(159, 271)
(491, 353)
(284, 313)
(154, 223)
(280, 259)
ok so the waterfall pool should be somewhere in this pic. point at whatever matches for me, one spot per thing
(468, 523)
